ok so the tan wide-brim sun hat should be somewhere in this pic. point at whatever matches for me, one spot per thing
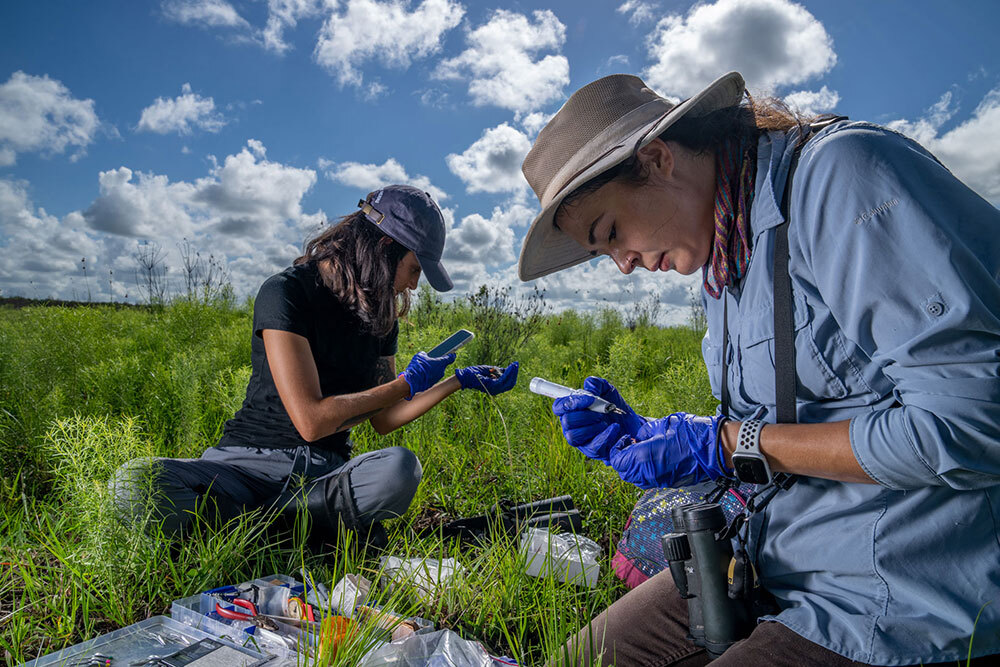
(601, 125)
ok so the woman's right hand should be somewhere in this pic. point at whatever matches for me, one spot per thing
(423, 372)
(594, 433)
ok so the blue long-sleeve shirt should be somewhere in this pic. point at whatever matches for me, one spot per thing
(895, 267)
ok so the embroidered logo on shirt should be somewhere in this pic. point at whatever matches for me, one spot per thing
(868, 215)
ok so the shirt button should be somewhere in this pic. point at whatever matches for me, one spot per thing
(935, 308)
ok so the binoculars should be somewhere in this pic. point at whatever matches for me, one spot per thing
(701, 562)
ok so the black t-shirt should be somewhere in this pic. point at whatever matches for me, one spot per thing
(296, 300)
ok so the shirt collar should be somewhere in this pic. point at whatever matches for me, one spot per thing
(774, 155)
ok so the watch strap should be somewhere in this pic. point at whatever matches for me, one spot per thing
(749, 462)
(748, 439)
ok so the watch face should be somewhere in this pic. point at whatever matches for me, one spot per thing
(751, 469)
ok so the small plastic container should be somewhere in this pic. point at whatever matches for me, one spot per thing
(242, 633)
(156, 636)
(565, 556)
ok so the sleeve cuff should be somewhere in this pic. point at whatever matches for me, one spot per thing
(883, 447)
(280, 325)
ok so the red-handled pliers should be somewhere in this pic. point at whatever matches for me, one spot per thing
(234, 615)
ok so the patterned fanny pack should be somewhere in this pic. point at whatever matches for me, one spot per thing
(640, 553)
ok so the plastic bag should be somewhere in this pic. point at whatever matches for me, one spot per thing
(443, 648)
(566, 556)
(348, 593)
(426, 575)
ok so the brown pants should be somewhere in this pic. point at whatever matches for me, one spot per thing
(647, 628)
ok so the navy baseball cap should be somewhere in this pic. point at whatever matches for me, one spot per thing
(410, 216)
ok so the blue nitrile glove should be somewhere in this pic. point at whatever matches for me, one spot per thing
(492, 380)
(591, 432)
(630, 421)
(423, 372)
(678, 450)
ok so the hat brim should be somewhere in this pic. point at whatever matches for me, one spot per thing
(547, 249)
(436, 274)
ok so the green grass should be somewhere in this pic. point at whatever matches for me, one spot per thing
(83, 390)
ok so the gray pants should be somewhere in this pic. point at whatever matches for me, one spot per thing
(229, 481)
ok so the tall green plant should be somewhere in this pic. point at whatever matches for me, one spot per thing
(503, 322)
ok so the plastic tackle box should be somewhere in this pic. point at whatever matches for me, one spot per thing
(199, 611)
(158, 636)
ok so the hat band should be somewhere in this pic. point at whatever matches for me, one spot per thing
(572, 178)
(618, 132)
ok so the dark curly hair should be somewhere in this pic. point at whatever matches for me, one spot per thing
(357, 262)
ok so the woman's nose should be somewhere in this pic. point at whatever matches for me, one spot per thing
(625, 259)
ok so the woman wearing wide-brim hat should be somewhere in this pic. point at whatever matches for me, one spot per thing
(884, 322)
(323, 360)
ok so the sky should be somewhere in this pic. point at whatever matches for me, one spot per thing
(241, 127)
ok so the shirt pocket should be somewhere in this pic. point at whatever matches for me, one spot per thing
(712, 354)
(815, 377)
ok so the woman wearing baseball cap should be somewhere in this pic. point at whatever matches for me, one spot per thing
(853, 337)
(323, 359)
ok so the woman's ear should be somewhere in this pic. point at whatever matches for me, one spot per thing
(384, 241)
(657, 158)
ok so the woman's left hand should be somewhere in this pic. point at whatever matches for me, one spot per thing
(492, 380)
(677, 450)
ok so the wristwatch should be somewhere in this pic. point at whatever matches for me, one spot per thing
(749, 463)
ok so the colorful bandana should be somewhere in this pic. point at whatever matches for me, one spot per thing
(736, 169)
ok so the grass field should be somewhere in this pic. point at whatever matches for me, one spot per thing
(83, 390)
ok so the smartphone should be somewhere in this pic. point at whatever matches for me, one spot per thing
(452, 343)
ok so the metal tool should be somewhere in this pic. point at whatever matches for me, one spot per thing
(552, 390)
(261, 621)
(95, 660)
(506, 517)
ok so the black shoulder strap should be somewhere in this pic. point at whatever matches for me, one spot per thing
(784, 329)
(784, 326)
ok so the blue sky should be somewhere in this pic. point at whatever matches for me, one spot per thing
(241, 125)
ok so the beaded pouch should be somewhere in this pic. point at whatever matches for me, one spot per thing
(640, 553)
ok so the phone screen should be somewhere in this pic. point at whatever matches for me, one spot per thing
(451, 343)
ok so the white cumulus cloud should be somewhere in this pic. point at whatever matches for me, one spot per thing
(771, 42)
(502, 61)
(813, 102)
(476, 247)
(599, 284)
(40, 114)
(282, 14)
(250, 194)
(181, 114)
(925, 128)
(246, 211)
(370, 177)
(39, 253)
(204, 13)
(969, 149)
(535, 121)
(246, 196)
(143, 208)
(638, 12)
(388, 32)
(480, 240)
(493, 162)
